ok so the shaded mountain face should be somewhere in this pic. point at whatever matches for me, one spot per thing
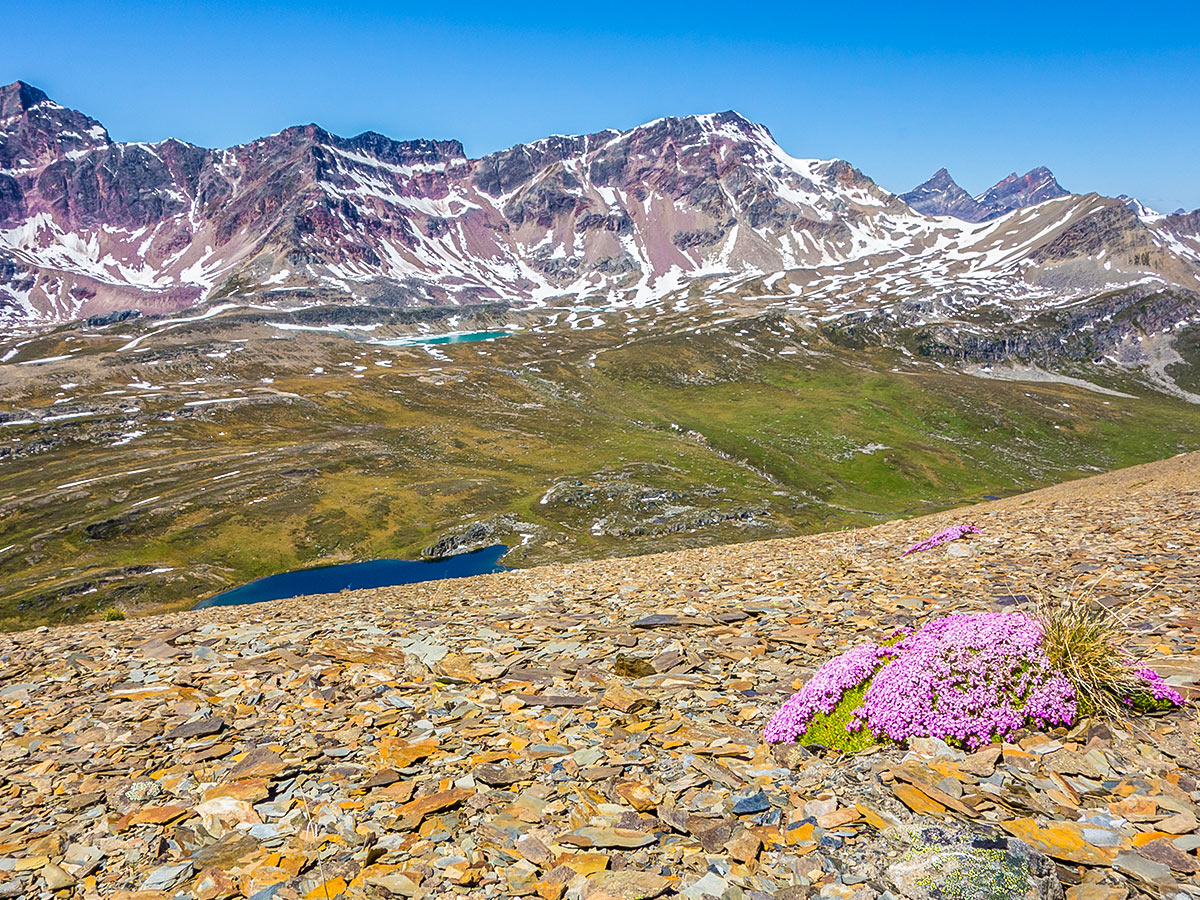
(89, 226)
(941, 195)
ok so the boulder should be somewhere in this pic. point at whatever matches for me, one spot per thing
(941, 863)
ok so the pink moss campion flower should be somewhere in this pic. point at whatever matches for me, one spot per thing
(953, 533)
(824, 690)
(970, 678)
(967, 678)
(1157, 688)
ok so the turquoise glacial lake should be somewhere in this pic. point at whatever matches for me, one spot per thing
(464, 337)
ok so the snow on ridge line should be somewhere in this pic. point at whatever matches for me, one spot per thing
(447, 263)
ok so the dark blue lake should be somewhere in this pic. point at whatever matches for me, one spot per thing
(355, 576)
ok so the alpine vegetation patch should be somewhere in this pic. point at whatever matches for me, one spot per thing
(968, 678)
(953, 533)
(1088, 644)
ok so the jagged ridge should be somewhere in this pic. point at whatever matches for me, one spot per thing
(941, 195)
(89, 225)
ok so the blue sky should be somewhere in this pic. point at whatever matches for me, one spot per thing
(1104, 94)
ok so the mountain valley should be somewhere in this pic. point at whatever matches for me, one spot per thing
(222, 364)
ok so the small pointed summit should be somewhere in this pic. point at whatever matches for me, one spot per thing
(1140, 209)
(19, 97)
(940, 195)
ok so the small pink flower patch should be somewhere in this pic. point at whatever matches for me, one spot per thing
(970, 678)
(967, 678)
(953, 533)
(1157, 688)
(824, 690)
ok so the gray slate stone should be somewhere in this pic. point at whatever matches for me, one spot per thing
(946, 864)
(166, 877)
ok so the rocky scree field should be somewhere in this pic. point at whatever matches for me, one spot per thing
(594, 730)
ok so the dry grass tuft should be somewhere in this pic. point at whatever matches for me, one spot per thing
(1089, 645)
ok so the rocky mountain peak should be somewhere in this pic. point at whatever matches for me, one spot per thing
(371, 143)
(613, 156)
(1018, 191)
(422, 150)
(19, 97)
(34, 130)
(730, 120)
(941, 195)
(1139, 208)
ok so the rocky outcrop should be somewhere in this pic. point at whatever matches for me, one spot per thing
(1079, 334)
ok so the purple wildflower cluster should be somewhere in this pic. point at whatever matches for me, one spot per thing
(824, 690)
(1157, 688)
(953, 533)
(971, 678)
(964, 677)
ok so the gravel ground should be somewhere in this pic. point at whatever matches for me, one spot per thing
(592, 730)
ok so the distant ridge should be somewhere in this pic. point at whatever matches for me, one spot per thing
(940, 195)
(90, 226)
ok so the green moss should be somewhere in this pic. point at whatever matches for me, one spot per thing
(1146, 703)
(829, 729)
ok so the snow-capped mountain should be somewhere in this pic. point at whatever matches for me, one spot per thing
(1140, 209)
(89, 225)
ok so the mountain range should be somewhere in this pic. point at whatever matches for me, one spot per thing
(217, 365)
(90, 226)
(941, 195)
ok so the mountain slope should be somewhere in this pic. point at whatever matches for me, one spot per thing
(89, 226)
(594, 730)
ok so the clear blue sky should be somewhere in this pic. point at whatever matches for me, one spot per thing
(1104, 94)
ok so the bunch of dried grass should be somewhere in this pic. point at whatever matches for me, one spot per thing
(1089, 645)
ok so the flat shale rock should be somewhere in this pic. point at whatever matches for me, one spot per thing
(592, 730)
